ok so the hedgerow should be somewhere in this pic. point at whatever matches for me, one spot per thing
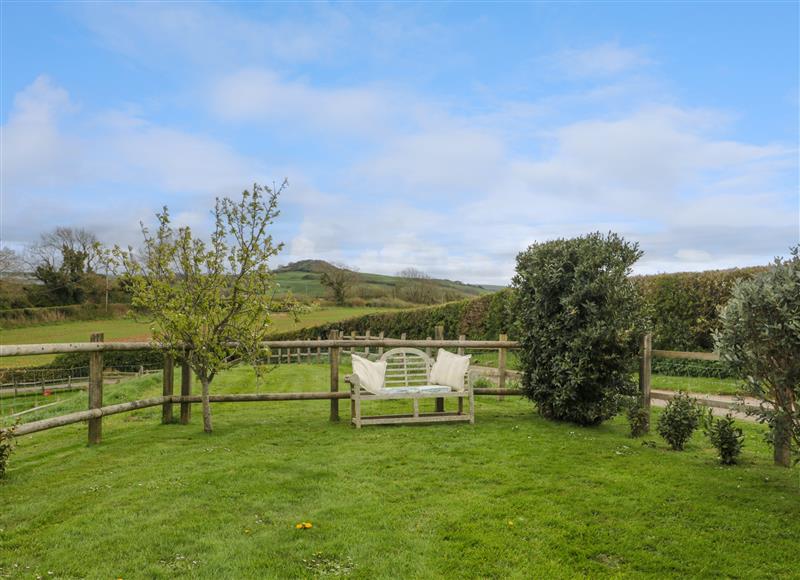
(482, 318)
(683, 307)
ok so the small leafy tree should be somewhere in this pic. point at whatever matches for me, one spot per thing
(726, 438)
(579, 320)
(209, 302)
(339, 279)
(679, 419)
(759, 339)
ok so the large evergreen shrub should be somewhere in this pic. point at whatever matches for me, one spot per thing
(579, 321)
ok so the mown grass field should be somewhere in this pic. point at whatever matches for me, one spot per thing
(513, 496)
(128, 329)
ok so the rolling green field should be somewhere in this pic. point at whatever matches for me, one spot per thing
(127, 329)
(307, 283)
(513, 496)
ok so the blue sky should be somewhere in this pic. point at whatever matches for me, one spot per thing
(442, 136)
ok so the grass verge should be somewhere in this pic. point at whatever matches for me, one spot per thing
(513, 496)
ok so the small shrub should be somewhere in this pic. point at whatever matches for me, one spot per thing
(679, 420)
(638, 419)
(6, 446)
(483, 383)
(727, 439)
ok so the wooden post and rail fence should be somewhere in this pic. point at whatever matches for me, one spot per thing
(335, 345)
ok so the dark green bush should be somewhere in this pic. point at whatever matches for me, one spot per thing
(678, 420)
(6, 447)
(579, 323)
(726, 438)
(638, 418)
(691, 368)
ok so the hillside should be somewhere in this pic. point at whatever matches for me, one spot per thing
(303, 279)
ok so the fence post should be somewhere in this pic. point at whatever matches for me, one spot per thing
(167, 388)
(319, 351)
(186, 390)
(366, 348)
(403, 336)
(501, 366)
(461, 338)
(645, 368)
(380, 348)
(438, 332)
(95, 389)
(334, 361)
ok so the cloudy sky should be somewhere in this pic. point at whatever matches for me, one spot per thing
(445, 137)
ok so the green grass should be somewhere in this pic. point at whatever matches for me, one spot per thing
(702, 385)
(128, 329)
(513, 496)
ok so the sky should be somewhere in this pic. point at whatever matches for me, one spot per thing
(444, 136)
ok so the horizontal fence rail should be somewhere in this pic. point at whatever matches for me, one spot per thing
(67, 347)
(335, 346)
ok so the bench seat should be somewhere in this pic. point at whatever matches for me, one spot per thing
(408, 378)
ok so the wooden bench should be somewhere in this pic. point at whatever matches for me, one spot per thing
(408, 373)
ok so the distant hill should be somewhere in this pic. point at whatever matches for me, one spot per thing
(303, 279)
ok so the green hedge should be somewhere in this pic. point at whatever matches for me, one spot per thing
(683, 306)
(19, 317)
(482, 318)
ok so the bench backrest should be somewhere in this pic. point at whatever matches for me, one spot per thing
(407, 367)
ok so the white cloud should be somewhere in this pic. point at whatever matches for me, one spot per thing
(209, 35)
(115, 155)
(35, 151)
(260, 95)
(603, 60)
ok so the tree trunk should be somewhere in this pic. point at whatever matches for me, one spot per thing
(206, 405)
(782, 440)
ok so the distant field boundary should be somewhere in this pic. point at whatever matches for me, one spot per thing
(22, 317)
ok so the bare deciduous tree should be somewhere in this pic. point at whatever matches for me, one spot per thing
(340, 280)
(49, 250)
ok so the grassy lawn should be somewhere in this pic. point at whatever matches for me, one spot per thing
(512, 496)
(704, 385)
(127, 329)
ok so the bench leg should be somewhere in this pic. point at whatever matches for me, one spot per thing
(471, 407)
(461, 405)
(415, 402)
(357, 406)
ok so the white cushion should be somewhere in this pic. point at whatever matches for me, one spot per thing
(449, 369)
(371, 374)
(420, 389)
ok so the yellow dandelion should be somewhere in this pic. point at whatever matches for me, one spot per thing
(299, 526)
(307, 525)
(510, 523)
